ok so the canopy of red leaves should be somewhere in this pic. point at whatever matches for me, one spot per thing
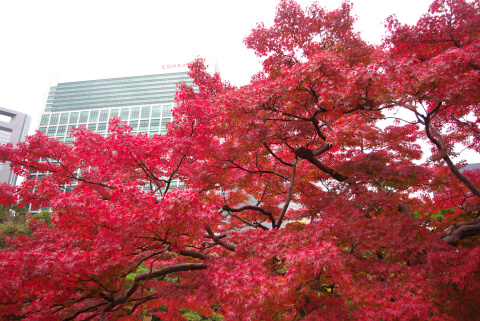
(307, 193)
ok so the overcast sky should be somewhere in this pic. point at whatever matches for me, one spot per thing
(44, 42)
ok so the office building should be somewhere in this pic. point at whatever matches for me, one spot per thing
(144, 101)
(13, 129)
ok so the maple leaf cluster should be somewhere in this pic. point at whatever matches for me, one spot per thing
(307, 194)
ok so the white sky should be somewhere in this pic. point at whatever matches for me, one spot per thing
(44, 42)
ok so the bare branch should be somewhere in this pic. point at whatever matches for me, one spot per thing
(218, 241)
(308, 154)
(251, 207)
(274, 155)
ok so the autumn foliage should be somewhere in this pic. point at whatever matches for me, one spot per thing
(308, 195)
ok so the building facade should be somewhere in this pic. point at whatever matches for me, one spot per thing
(13, 129)
(144, 102)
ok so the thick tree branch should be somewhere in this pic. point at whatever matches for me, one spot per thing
(251, 207)
(309, 155)
(194, 254)
(458, 231)
(217, 240)
(405, 208)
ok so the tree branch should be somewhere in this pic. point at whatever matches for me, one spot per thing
(309, 155)
(251, 207)
(289, 195)
(458, 231)
(218, 241)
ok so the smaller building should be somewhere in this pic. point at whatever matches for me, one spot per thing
(13, 129)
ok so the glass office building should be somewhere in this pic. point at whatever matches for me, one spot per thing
(145, 102)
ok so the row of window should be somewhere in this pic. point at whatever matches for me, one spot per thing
(68, 106)
(115, 100)
(136, 79)
(137, 125)
(145, 112)
(134, 92)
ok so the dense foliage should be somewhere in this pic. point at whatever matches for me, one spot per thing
(307, 193)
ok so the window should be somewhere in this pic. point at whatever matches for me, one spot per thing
(135, 113)
(167, 111)
(165, 121)
(155, 124)
(134, 125)
(143, 125)
(73, 118)
(83, 117)
(61, 130)
(93, 116)
(45, 119)
(102, 128)
(145, 112)
(54, 119)
(63, 118)
(156, 111)
(124, 112)
(92, 127)
(103, 115)
(51, 131)
(113, 113)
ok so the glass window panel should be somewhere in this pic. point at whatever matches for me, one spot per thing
(167, 110)
(145, 112)
(144, 125)
(51, 131)
(165, 121)
(45, 119)
(92, 127)
(103, 115)
(163, 132)
(133, 124)
(61, 130)
(156, 111)
(113, 113)
(124, 112)
(82, 125)
(73, 118)
(63, 118)
(93, 116)
(54, 119)
(43, 130)
(155, 124)
(83, 117)
(135, 113)
(102, 128)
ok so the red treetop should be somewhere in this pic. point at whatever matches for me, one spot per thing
(307, 194)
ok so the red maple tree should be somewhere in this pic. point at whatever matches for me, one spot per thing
(307, 193)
